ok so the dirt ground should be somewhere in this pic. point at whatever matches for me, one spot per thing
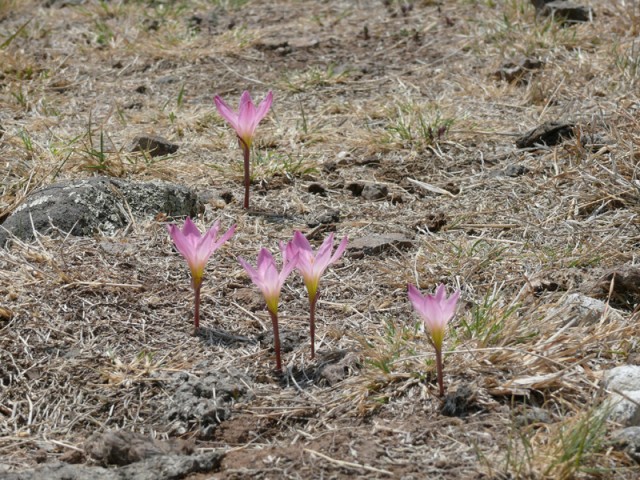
(389, 117)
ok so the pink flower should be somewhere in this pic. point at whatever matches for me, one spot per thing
(435, 310)
(197, 249)
(270, 281)
(267, 278)
(311, 268)
(248, 117)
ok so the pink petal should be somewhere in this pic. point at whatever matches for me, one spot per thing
(264, 259)
(300, 241)
(264, 107)
(182, 243)
(190, 228)
(226, 112)
(340, 250)
(253, 273)
(416, 298)
(288, 267)
(227, 235)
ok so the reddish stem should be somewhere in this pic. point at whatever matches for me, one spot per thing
(312, 324)
(439, 371)
(276, 339)
(196, 318)
(246, 151)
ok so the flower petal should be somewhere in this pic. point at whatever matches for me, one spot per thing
(226, 112)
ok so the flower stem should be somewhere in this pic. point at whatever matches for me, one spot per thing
(247, 179)
(196, 316)
(439, 371)
(312, 323)
(276, 339)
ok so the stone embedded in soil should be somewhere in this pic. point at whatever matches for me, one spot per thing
(432, 223)
(375, 244)
(581, 310)
(160, 467)
(460, 403)
(317, 189)
(99, 205)
(205, 401)
(624, 409)
(620, 285)
(515, 170)
(628, 439)
(355, 188)
(153, 145)
(125, 447)
(325, 218)
(567, 12)
(549, 134)
(533, 415)
(623, 377)
(337, 366)
(519, 72)
(375, 191)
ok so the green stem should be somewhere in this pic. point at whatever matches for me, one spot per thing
(246, 151)
(312, 323)
(439, 371)
(276, 339)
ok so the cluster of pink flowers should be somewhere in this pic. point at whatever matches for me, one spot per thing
(435, 310)
(296, 254)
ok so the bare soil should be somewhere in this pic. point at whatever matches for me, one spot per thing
(408, 97)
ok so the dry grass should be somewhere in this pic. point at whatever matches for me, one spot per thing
(92, 330)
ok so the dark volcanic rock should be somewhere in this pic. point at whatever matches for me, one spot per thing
(549, 133)
(206, 401)
(317, 189)
(96, 205)
(567, 12)
(153, 145)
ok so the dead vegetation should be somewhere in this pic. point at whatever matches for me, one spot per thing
(94, 331)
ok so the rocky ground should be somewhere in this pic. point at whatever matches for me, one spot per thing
(488, 145)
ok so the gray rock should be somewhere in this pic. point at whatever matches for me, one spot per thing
(153, 145)
(624, 408)
(206, 401)
(532, 416)
(96, 205)
(583, 310)
(163, 467)
(375, 244)
(515, 170)
(624, 377)
(629, 440)
(325, 218)
(374, 191)
(123, 447)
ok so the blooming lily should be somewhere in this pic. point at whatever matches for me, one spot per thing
(436, 311)
(311, 267)
(270, 281)
(197, 249)
(245, 122)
